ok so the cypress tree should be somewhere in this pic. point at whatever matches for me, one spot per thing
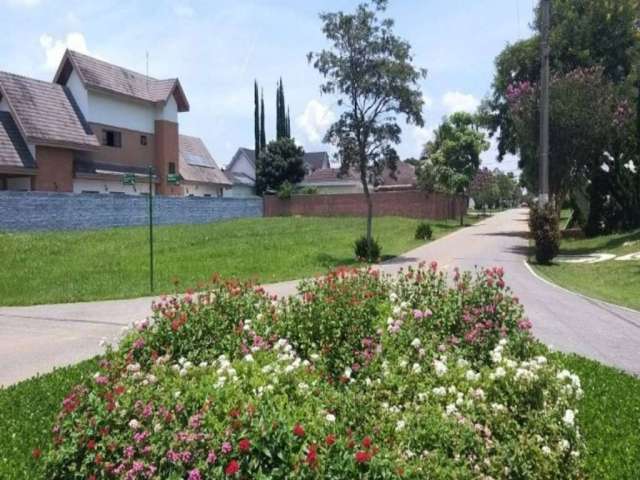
(288, 124)
(263, 138)
(256, 118)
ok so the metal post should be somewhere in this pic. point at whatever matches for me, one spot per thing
(543, 199)
(150, 170)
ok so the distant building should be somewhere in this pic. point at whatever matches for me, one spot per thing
(95, 124)
(331, 181)
(242, 170)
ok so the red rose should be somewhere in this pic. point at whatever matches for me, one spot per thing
(91, 444)
(36, 453)
(330, 440)
(298, 430)
(366, 442)
(244, 445)
(232, 468)
(362, 456)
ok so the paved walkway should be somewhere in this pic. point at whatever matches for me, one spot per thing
(38, 338)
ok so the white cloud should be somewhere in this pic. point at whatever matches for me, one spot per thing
(421, 135)
(315, 120)
(183, 10)
(459, 102)
(489, 159)
(428, 101)
(54, 49)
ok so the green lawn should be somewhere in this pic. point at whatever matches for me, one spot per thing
(612, 281)
(609, 416)
(102, 264)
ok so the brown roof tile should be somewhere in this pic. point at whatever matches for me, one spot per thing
(197, 164)
(330, 175)
(46, 113)
(13, 149)
(98, 74)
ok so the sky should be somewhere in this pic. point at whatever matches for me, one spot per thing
(218, 47)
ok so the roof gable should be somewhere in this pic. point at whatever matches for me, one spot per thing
(197, 164)
(13, 149)
(46, 113)
(103, 76)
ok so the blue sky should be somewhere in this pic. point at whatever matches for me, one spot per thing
(218, 47)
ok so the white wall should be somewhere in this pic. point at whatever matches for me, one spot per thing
(243, 165)
(240, 191)
(109, 186)
(169, 111)
(80, 95)
(200, 190)
(118, 112)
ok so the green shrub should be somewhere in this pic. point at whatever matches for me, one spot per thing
(544, 225)
(285, 190)
(362, 252)
(309, 190)
(424, 231)
(360, 376)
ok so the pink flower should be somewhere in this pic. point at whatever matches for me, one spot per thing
(138, 344)
(101, 380)
(212, 457)
(226, 448)
(195, 474)
(173, 457)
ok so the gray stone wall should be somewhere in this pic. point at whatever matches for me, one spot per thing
(21, 211)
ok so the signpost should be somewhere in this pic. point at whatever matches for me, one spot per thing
(130, 179)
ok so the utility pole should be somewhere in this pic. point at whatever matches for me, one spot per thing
(543, 195)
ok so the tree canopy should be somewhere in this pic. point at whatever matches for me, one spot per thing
(281, 161)
(370, 69)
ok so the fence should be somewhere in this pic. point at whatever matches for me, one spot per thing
(411, 203)
(21, 211)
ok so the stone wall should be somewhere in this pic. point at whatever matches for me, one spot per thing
(20, 211)
(408, 203)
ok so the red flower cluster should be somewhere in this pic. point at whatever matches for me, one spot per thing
(244, 445)
(298, 430)
(232, 468)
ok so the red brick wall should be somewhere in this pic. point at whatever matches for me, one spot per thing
(55, 170)
(411, 203)
(166, 151)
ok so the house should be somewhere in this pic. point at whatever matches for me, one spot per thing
(96, 125)
(332, 181)
(241, 170)
(402, 178)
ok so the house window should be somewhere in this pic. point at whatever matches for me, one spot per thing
(172, 168)
(111, 138)
(143, 140)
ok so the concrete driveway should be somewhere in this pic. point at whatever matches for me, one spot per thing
(37, 339)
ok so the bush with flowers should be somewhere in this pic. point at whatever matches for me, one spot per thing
(360, 376)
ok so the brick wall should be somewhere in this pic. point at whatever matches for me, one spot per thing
(55, 170)
(68, 211)
(411, 203)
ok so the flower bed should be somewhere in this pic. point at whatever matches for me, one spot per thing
(360, 376)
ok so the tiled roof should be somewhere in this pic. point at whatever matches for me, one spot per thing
(101, 75)
(239, 178)
(313, 160)
(197, 164)
(327, 175)
(316, 160)
(405, 174)
(13, 149)
(46, 113)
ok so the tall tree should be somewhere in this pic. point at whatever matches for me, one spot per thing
(288, 123)
(371, 70)
(256, 118)
(263, 137)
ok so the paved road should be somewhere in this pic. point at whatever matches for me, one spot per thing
(36, 339)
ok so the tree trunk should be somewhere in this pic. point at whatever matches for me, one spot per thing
(367, 195)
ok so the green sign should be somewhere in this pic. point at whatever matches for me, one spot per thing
(174, 179)
(129, 179)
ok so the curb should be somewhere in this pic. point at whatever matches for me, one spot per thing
(577, 294)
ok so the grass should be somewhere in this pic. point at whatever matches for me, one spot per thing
(612, 281)
(609, 416)
(27, 413)
(57, 267)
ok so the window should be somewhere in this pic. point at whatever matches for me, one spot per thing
(111, 138)
(143, 139)
(172, 168)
